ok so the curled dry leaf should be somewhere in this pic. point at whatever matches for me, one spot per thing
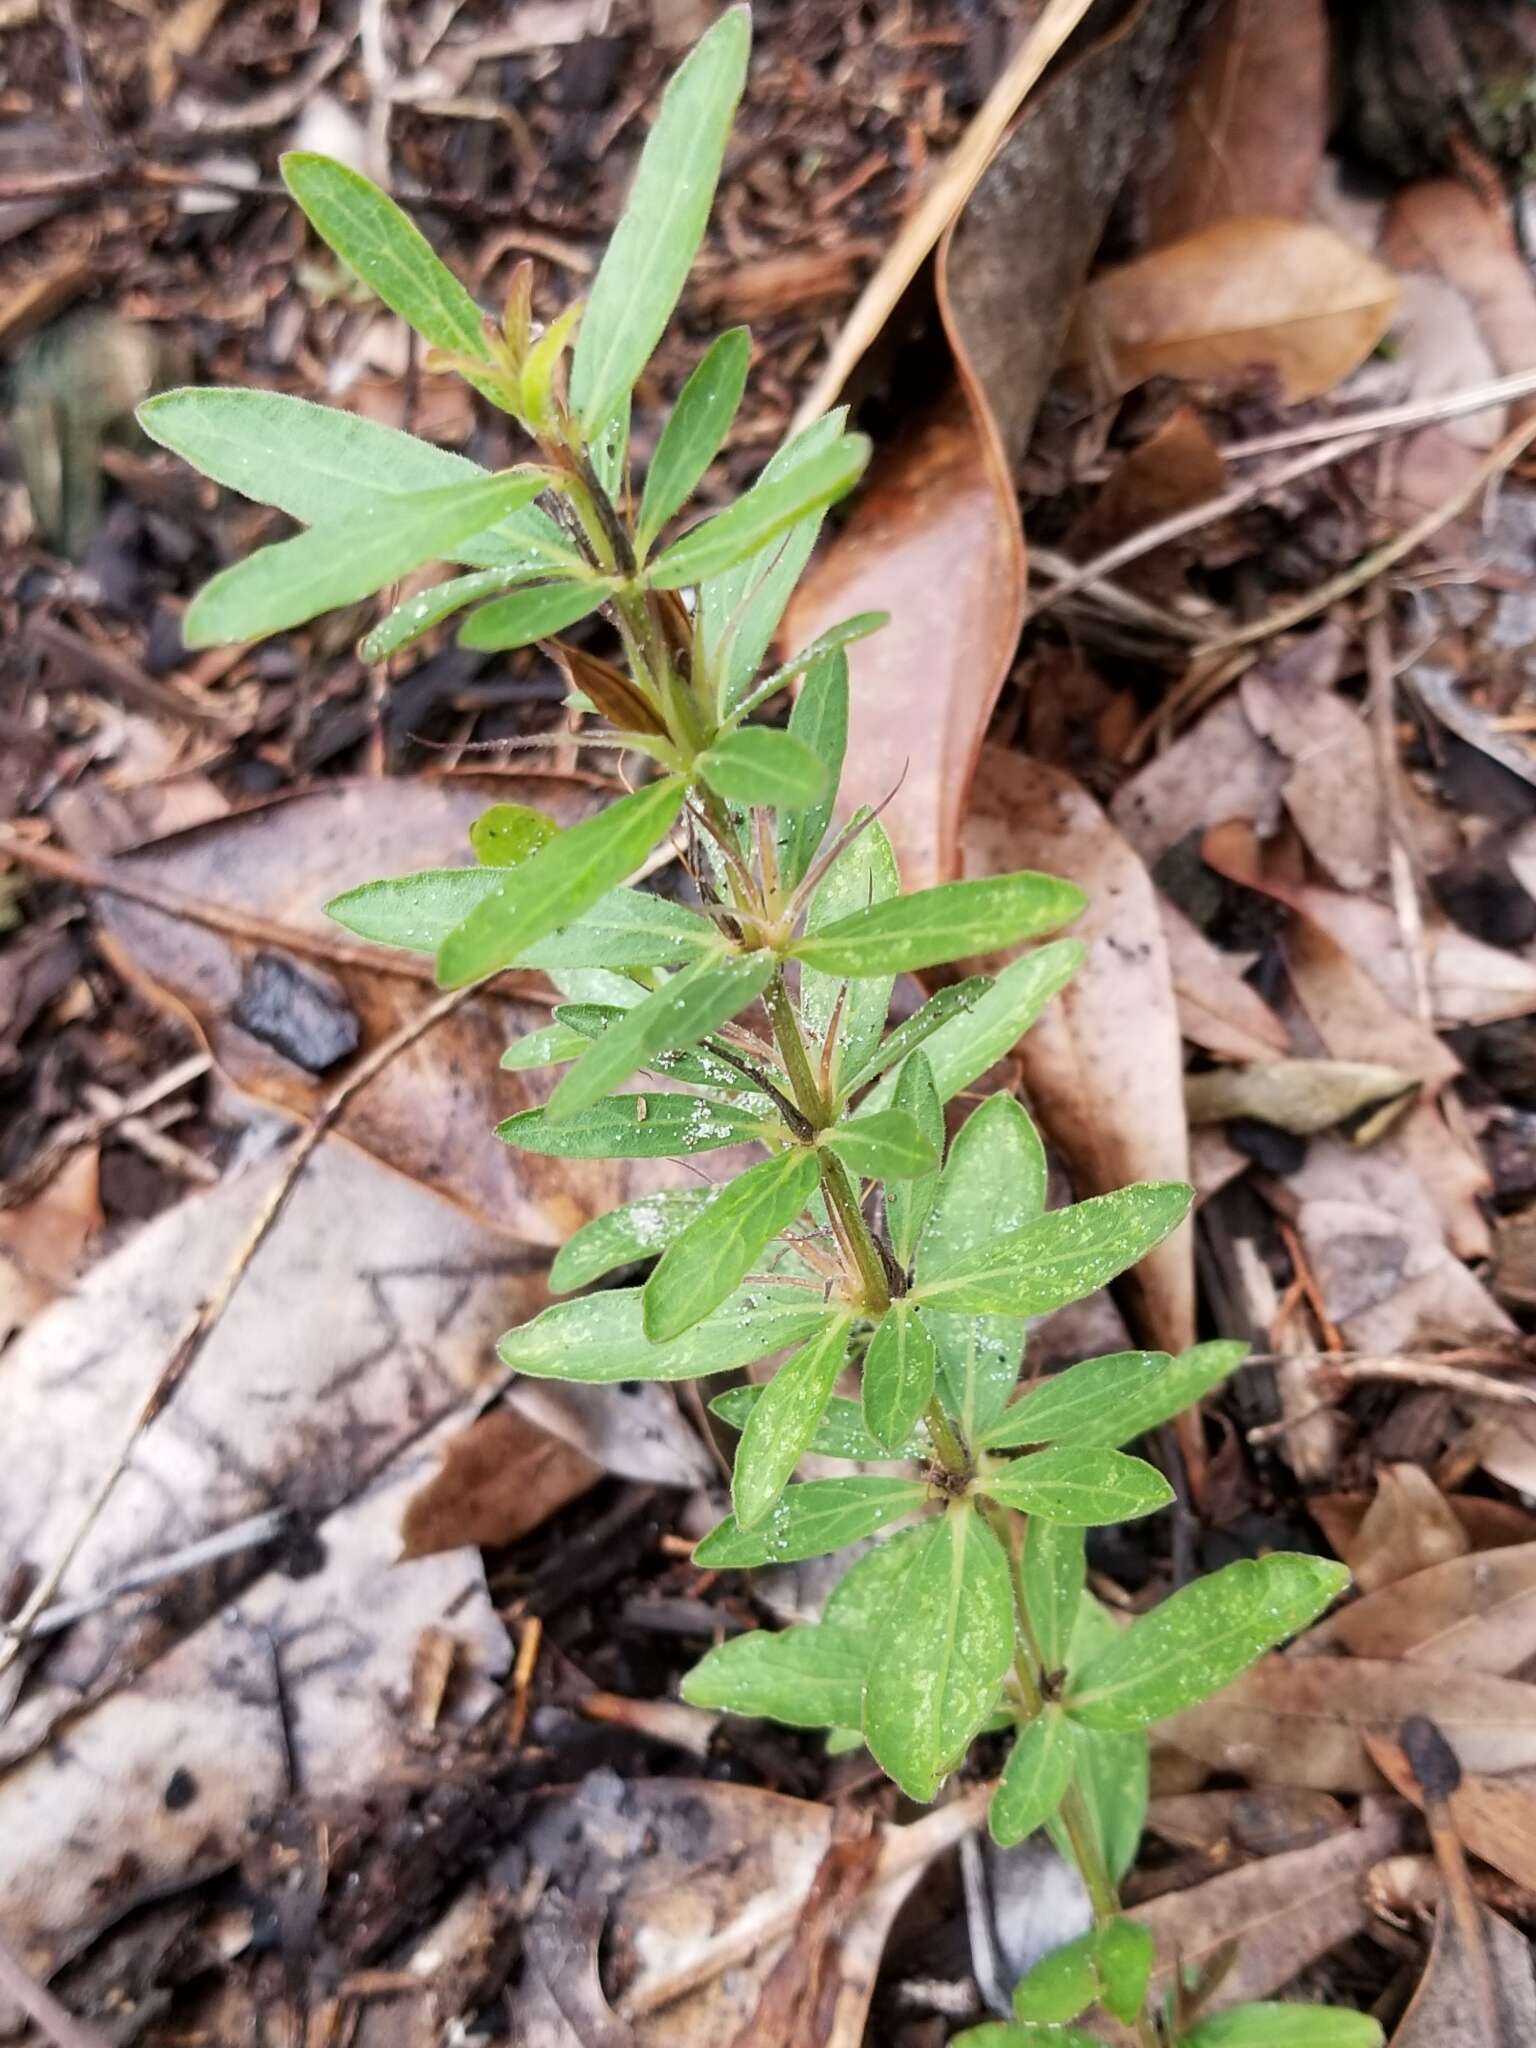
(1408, 1527)
(1177, 466)
(1282, 1913)
(1218, 1010)
(1303, 1720)
(1113, 1034)
(1445, 2012)
(1285, 298)
(500, 1478)
(1444, 227)
(1475, 1612)
(1249, 130)
(1303, 1096)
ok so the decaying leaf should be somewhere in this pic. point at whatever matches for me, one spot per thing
(1445, 2010)
(1218, 1010)
(500, 1478)
(1408, 1527)
(1283, 297)
(1304, 1096)
(1264, 1820)
(1475, 1612)
(1113, 1033)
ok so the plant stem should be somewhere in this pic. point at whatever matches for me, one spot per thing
(792, 1049)
(945, 1438)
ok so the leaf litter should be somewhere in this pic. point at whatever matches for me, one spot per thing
(1310, 924)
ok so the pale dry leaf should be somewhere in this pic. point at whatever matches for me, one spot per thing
(1264, 1820)
(1407, 1528)
(1112, 1036)
(1333, 791)
(1218, 1010)
(320, 1662)
(1302, 1096)
(1284, 298)
(1248, 132)
(1302, 1721)
(1470, 982)
(1473, 1613)
(933, 539)
(1445, 2009)
(1220, 769)
(1443, 226)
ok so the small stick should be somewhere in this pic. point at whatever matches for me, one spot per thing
(1388, 419)
(1405, 888)
(85, 1130)
(41, 2007)
(246, 1535)
(1437, 1772)
(522, 1679)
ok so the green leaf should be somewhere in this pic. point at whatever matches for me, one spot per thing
(740, 609)
(758, 764)
(1062, 1984)
(941, 1654)
(773, 503)
(1019, 2034)
(863, 873)
(637, 1127)
(652, 249)
(419, 614)
(554, 1045)
(1201, 1638)
(681, 1012)
(958, 1000)
(692, 437)
(950, 922)
(1285, 2026)
(898, 1376)
(321, 466)
(635, 1230)
(1080, 1484)
(819, 721)
(994, 1180)
(832, 641)
(508, 834)
(625, 928)
(804, 1677)
(841, 1432)
(783, 1422)
(1062, 1256)
(1055, 1570)
(698, 1066)
(865, 1594)
(719, 1248)
(1112, 1774)
(533, 613)
(909, 1203)
(385, 248)
(810, 1519)
(1127, 1951)
(1116, 1399)
(333, 565)
(555, 887)
(600, 1338)
(960, 1051)
(1033, 1784)
(884, 1146)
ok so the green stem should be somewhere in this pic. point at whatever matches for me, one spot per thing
(844, 1204)
(792, 1049)
(945, 1438)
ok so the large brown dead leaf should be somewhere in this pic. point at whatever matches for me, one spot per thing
(1281, 297)
(1112, 1037)
(1282, 1913)
(1446, 2011)
(1444, 227)
(1408, 1528)
(1472, 1613)
(1249, 130)
(1303, 1720)
(429, 1113)
(1218, 1010)
(934, 539)
(500, 1478)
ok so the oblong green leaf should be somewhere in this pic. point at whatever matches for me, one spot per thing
(820, 721)
(960, 1051)
(898, 1376)
(783, 1422)
(692, 437)
(810, 1519)
(653, 247)
(773, 504)
(812, 655)
(1116, 1399)
(909, 1203)
(681, 1012)
(1285, 2026)
(383, 246)
(1054, 1569)
(560, 883)
(419, 614)
(841, 1432)
(940, 1655)
(1080, 1484)
(336, 564)
(554, 1045)
(1062, 1256)
(804, 1677)
(624, 928)
(1127, 1951)
(958, 1000)
(1201, 1637)
(600, 1337)
(949, 922)
(885, 1145)
(865, 1594)
(864, 872)
(1034, 1781)
(1113, 1775)
(758, 764)
(637, 1127)
(533, 613)
(1063, 1983)
(1020, 2034)
(636, 1230)
(720, 1247)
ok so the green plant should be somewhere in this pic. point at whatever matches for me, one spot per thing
(859, 1239)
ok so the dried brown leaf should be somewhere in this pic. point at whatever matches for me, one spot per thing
(1407, 1528)
(1304, 1096)
(1218, 1010)
(1445, 2010)
(500, 1478)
